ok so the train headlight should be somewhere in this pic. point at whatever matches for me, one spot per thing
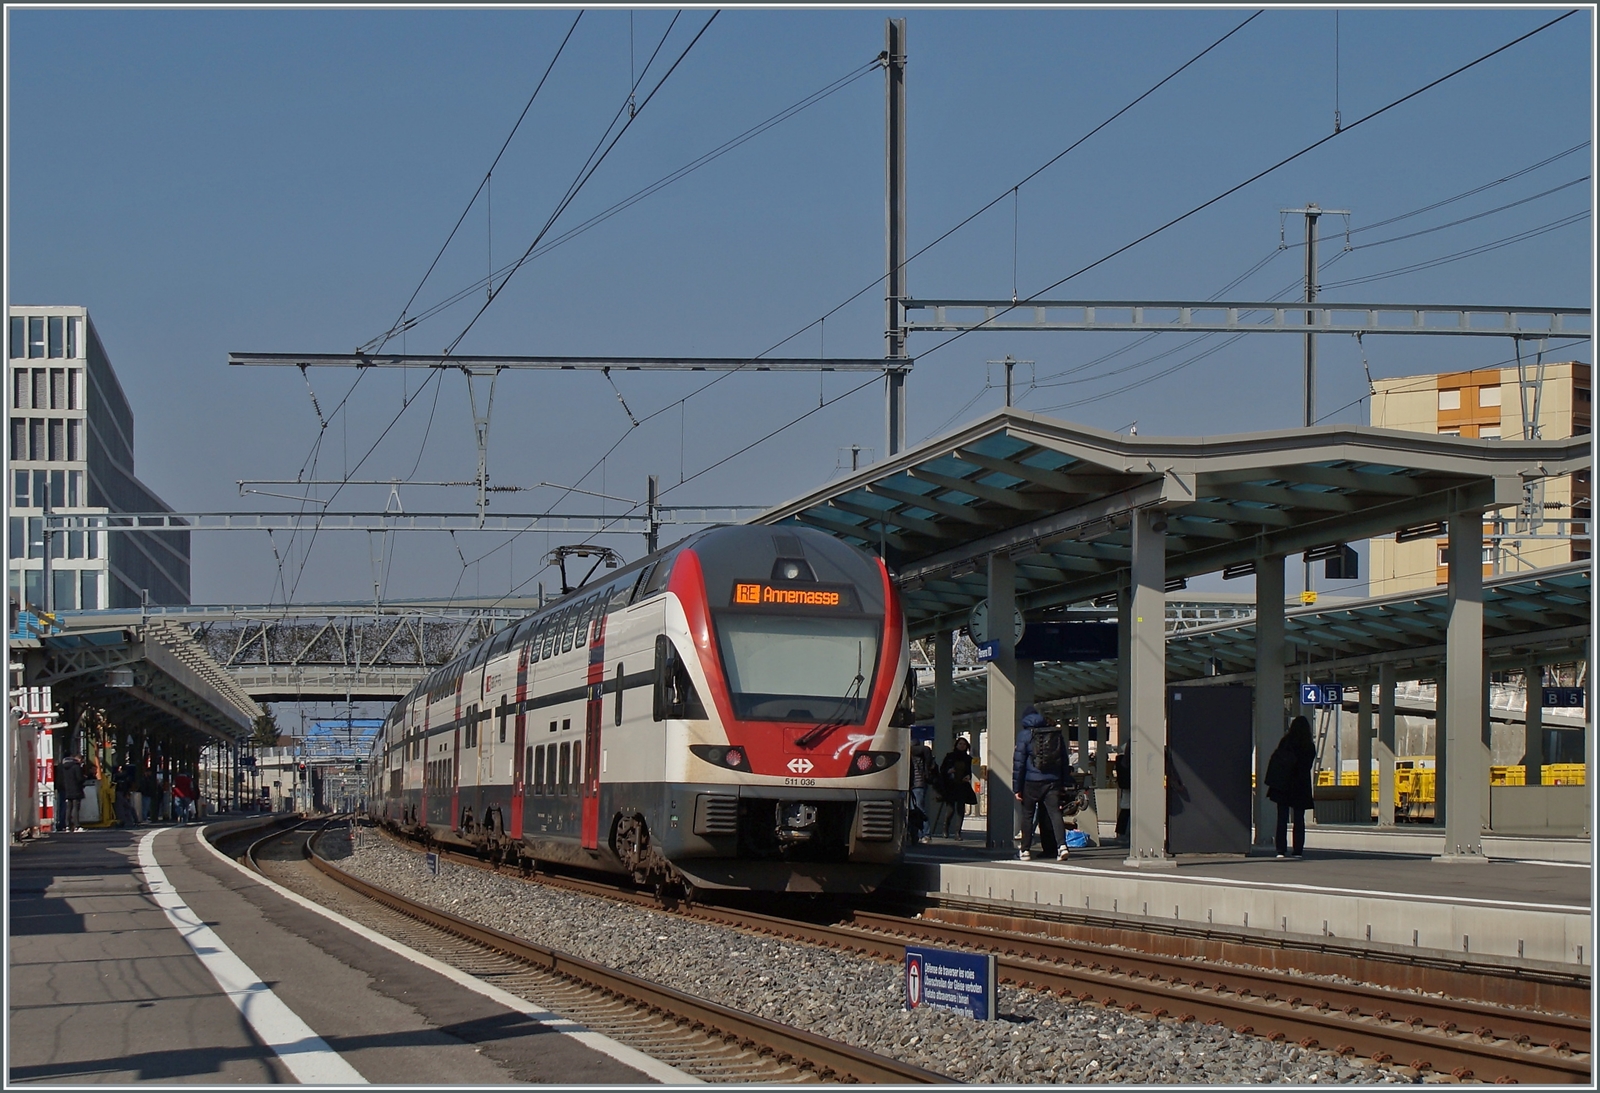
(734, 758)
(790, 571)
(870, 762)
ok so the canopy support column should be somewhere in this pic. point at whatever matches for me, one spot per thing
(1533, 725)
(1385, 745)
(1364, 751)
(1466, 776)
(1147, 694)
(1269, 686)
(944, 670)
(1002, 712)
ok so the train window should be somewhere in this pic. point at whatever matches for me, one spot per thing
(619, 693)
(577, 766)
(580, 630)
(501, 642)
(644, 579)
(551, 626)
(569, 624)
(658, 576)
(619, 595)
(674, 694)
(566, 724)
(562, 767)
(502, 721)
(538, 768)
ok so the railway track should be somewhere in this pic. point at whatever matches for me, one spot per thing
(709, 1041)
(1465, 1038)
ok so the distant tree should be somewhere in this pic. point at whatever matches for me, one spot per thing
(264, 732)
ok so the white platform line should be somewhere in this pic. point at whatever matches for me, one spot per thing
(307, 1055)
(605, 1045)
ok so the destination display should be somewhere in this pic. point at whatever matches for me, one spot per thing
(766, 594)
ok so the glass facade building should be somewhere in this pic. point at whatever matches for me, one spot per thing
(71, 450)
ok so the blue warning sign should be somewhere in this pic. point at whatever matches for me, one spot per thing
(947, 980)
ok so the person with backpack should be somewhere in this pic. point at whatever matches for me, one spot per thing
(1039, 775)
(1289, 784)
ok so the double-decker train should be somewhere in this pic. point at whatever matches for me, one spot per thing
(731, 712)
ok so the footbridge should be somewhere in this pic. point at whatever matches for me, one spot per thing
(323, 652)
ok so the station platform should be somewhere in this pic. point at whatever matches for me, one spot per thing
(144, 955)
(1369, 890)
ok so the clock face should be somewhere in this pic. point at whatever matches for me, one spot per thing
(978, 623)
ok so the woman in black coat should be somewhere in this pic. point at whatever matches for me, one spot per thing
(954, 787)
(1289, 784)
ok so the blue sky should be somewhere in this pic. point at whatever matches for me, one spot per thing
(278, 180)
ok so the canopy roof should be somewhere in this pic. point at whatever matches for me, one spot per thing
(154, 675)
(1059, 497)
(1544, 613)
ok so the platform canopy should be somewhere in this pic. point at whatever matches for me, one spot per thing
(1059, 498)
(1541, 615)
(152, 676)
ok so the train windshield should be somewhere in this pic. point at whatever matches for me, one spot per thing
(798, 668)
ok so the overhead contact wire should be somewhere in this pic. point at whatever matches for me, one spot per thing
(401, 322)
(587, 173)
(999, 312)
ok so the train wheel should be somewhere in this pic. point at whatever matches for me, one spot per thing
(632, 844)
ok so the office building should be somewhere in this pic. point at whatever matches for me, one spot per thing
(71, 451)
(1550, 402)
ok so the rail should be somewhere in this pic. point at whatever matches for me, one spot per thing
(1464, 1038)
(831, 1059)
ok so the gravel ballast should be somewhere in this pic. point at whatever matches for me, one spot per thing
(1037, 1038)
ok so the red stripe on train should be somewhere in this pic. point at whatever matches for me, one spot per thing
(764, 742)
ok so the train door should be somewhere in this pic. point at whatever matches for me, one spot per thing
(590, 784)
(453, 821)
(519, 773)
(423, 746)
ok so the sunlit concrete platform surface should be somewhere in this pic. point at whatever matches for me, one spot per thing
(1367, 889)
(105, 989)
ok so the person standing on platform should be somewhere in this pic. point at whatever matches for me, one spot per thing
(1124, 779)
(955, 785)
(1040, 773)
(922, 776)
(182, 798)
(122, 781)
(1289, 784)
(150, 792)
(69, 790)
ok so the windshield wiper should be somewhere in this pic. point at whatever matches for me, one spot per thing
(821, 731)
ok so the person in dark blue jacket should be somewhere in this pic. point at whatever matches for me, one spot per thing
(1040, 772)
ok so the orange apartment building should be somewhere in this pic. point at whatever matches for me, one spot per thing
(1487, 404)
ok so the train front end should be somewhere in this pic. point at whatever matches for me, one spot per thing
(789, 715)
